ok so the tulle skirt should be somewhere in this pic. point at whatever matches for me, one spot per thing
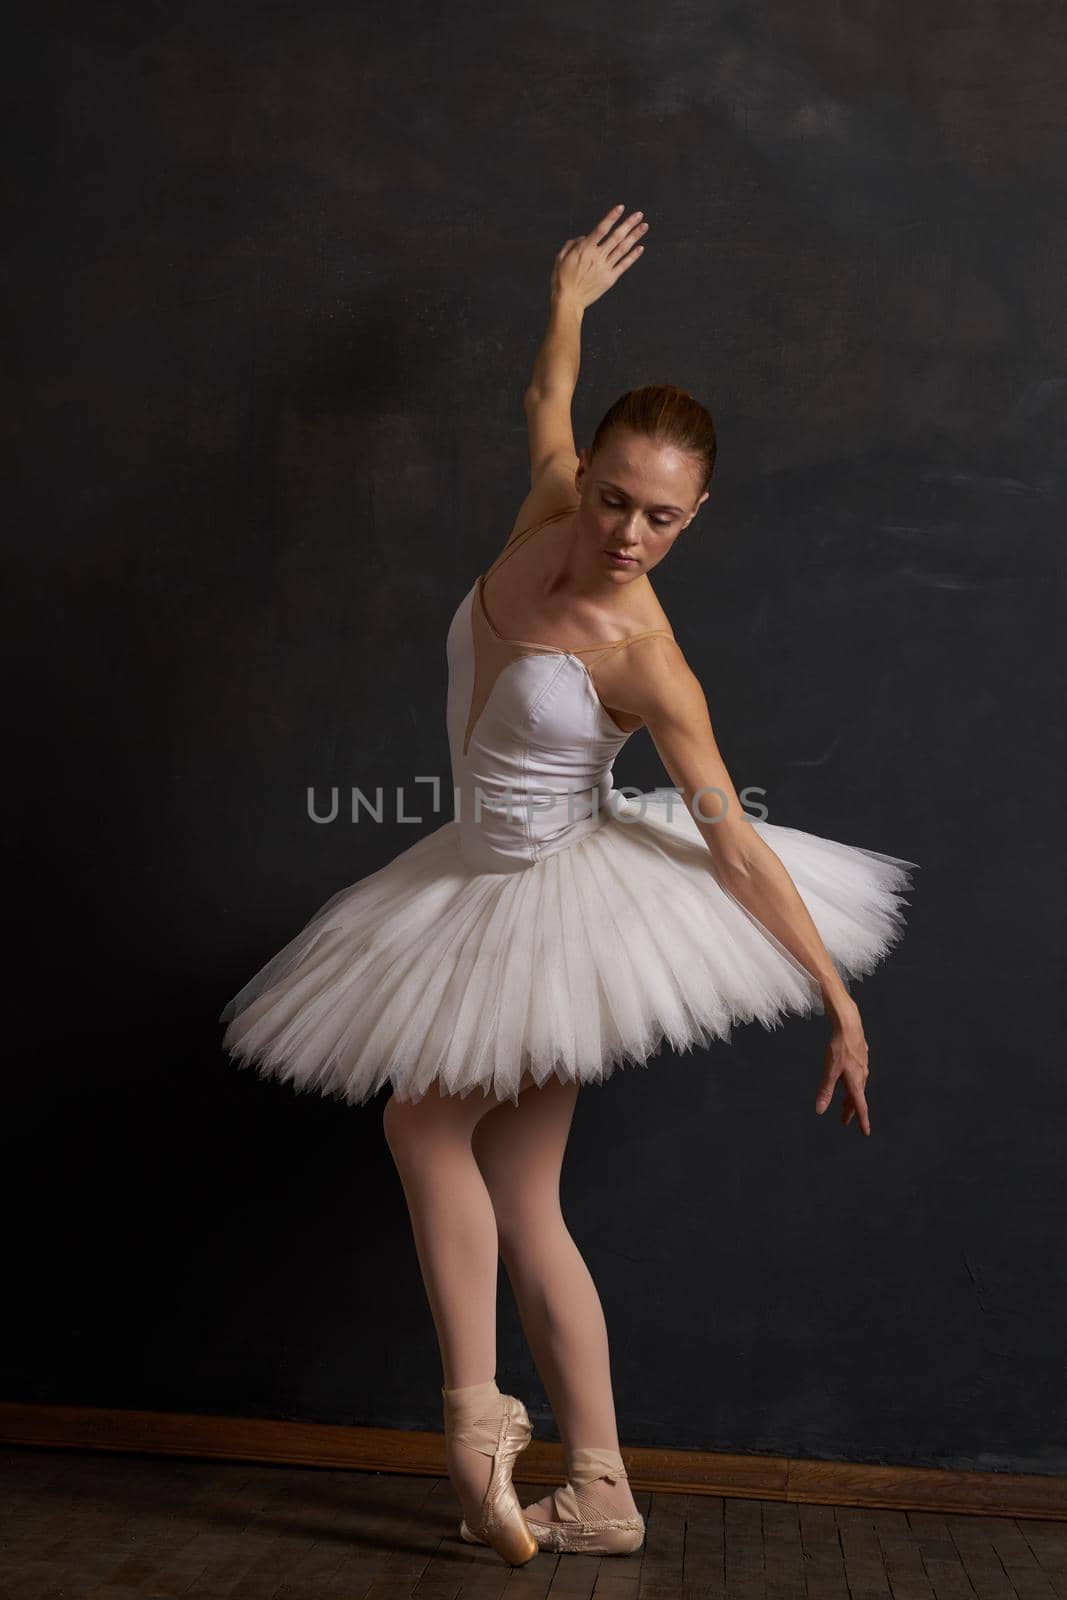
(427, 971)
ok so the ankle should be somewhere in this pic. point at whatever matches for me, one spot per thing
(470, 1403)
(599, 1479)
(467, 1410)
(589, 1464)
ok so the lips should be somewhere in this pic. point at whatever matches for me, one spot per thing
(618, 555)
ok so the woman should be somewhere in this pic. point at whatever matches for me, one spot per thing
(553, 929)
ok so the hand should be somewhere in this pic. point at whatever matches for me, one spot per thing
(587, 267)
(846, 1058)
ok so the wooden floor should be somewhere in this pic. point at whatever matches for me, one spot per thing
(108, 1526)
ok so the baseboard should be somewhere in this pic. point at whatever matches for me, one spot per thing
(1000, 1494)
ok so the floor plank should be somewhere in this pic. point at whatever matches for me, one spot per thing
(98, 1525)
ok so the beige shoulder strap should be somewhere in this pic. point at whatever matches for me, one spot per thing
(582, 650)
(631, 638)
(520, 538)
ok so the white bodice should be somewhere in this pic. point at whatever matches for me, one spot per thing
(532, 763)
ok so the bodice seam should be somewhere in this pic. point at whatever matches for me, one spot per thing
(533, 843)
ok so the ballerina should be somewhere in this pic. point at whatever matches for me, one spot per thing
(555, 928)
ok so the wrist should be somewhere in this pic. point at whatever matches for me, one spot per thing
(564, 303)
(840, 1007)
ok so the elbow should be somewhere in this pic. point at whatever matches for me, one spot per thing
(731, 868)
(536, 394)
(735, 852)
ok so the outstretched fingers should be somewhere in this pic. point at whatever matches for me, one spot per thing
(625, 244)
(605, 225)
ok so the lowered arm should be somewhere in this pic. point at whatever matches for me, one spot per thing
(666, 693)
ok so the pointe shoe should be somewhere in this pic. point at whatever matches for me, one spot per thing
(581, 1528)
(497, 1425)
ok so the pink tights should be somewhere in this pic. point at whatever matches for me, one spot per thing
(481, 1180)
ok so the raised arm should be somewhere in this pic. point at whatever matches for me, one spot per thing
(665, 692)
(584, 269)
(547, 400)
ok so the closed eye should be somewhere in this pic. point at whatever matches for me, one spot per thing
(660, 522)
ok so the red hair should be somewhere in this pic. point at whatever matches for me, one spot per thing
(668, 415)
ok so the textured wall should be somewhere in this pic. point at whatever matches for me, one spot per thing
(277, 276)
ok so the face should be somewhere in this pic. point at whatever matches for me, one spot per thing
(636, 497)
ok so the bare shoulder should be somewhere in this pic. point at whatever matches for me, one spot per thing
(552, 490)
(652, 679)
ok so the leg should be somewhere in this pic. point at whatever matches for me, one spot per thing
(453, 1225)
(456, 1242)
(520, 1150)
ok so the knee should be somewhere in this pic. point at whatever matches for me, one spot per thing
(525, 1228)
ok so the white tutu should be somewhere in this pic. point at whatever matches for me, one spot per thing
(592, 958)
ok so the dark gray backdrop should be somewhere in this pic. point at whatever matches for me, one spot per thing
(277, 276)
